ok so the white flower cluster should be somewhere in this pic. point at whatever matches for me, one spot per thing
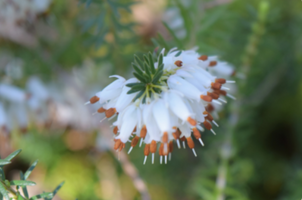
(187, 91)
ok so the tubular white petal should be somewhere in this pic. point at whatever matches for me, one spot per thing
(161, 115)
(12, 93)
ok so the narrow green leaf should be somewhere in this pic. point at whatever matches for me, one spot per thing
(133, 90)
(30, 169)
(24, 189)
(20, 197)
(151, 63)
(160, 59)
(22, 183)
(2, 175)
(57, 188)
(139, 77)
(160, 67)
(4, 162)
(157, 76)
(137, 69)
(138, 61)
(178, 54)
(12, 155)
(131, 84)
(44, 195)
(139, 95)
(148, 72)
(157, 90)
(3, 191)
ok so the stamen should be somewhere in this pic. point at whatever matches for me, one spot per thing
(213, 95)
(178, 143)
(230, 81)
(130, 150)
(216, 86)
(190, 142)
(166, 159)
(88, 102)
(212, 63)
(206, 98)
(94, 99)
(210, 108)
(161, 160)
(184, 144)
(170, 146)
(213, 131)
(220, 80)
(207, 125)
(153, 146)
(101, 110)
(170, 156)
(165, 137)
(194, 152)
(203, 57)
(231, 96)
(178, 63)
(145, 159)
(115, 130)
(103, 119)
(117, 144)
(110, 112)
(225, 88)
(143, 132)
(222, 100)
(201, 142)
(217, 102)
(192, 121)
(222, 92)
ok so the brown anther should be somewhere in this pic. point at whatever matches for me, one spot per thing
(207, 125)
(147, 150)
(122, 146)
(223, 92)
(110, 112)
(209, 117)
(190, 143)
(143, 132)
(196, 133)
(161, 149)
(214, 95)
(101, 110)
(171, 146)
(94, 99)
(183, 138)
(153, 146)
(220, 80)
(210, 107)
(216, 92)
(134, 141)
(165, 137)
(115, 129)
(192, 121)
(178, 63)
(134, 130)
(117, 144)
(203, 57)
(212, 63)
(216, 86)
(206, 98)
(176, 134)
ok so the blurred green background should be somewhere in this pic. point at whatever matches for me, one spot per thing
(73, 46)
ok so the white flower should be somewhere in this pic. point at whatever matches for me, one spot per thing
(167, 101)
(12, 93)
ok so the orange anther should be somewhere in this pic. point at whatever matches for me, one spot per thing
(178, 63)
(207, 125)
(210, 107)
(171, 146)
(222, 92)
(190, 143)
(143, 132)
(206, 98)
(110, 112)
(176, 134)
(161, 149)
(165, 137)
(147, 150)
(183, 138)
(115, 130)
(117, 144)
(153, 146)
(212, 63)
(213, 95)
(101, 110)
(134, 141)
(220, 80)
(94, 99)
(196, 133)
(216, 86)
(192, 121)
(203, 57)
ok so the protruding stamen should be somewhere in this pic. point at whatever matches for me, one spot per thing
(141, 142)
(178, 63)
(194, 152)
(215, 123)
(201, 142)
(184, 144)
(216, 86)
(222, 92)
(210, 108)
(213, 95)
(153, 158)
(209, 116)
(230, 81)
(88, 102)
(196, 133)
(145, 160)
(212, 63)
(130, 150)
(166, 159)
(207, 125)
(206, 98)
(190, 143)
(161, 160)
(222, 100)
(147, 149)
(115, 130)
(213, 131)
(203, 57)
(192, 121)
(110, 112)
(94, 99)
(143, 132)
(103, 119)
(101, 110)
(117, 144)
(170, 146)
(170, 156)
(94, 113)
(220, 80)
(153, 146)
(231, 96)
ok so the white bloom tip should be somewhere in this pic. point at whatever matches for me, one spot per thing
(230, 81)
(166, 159)
(145, 160)
(213, 131)
(141, 142)
(225, 88)
(215, 123)
(194, 152)
(231, 96)
(88, 102)
(184, 144)
(222, 100)
(201, 142)
(178, 143)
(130, 150)
(152, 158)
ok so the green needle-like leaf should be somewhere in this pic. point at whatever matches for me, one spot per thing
(137, 69)
(157, 76)
(151, 63)
(160, 59)
(2, 175)
(3, 191)
(30, 169)
(58, 188)
(24, 189)
(12, 155)
(22, 183)
(138, 61)
(4, 162)
(140, 77)
(134, 90)
(146, 60)
(44, 195)
(139, 95)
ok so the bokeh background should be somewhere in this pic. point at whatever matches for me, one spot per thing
(54, 55)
